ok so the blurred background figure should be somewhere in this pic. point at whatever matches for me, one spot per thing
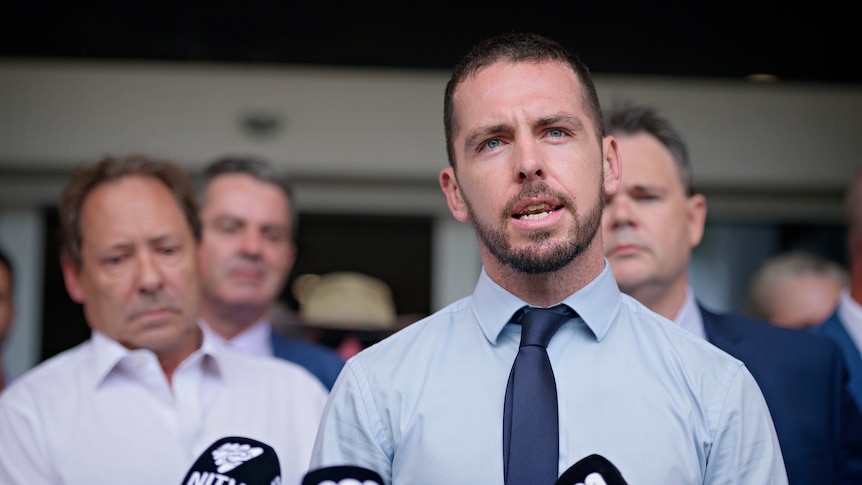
(7, 311)
(346, 310)
(651, 226)
(796, 289)
(149, 391)
(845, 324)
(247, 252)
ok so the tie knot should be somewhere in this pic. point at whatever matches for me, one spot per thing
(540, 324)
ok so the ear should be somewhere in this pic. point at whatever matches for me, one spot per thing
(611, 165)
(696, 214)
(454, 198)
(71, 275)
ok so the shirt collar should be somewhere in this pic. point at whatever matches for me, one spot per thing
(108, 354)
(254, 340)
(689, 316)
(597, 304)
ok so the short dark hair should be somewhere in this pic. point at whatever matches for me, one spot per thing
(629, 118)
(108, 169)
(258, 169)
(517, 47)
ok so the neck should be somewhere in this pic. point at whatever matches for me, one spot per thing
(664, 299)
(230, 320)
(171, 358)
(546, 289)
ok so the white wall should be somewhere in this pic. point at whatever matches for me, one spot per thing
(387, 124)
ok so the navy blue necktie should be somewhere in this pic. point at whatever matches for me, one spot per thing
(531, 441)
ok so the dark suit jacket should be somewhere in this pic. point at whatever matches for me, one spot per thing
(803, 378)
(834, 329)
(321, 361)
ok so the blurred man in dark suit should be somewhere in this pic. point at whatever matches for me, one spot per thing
(247, 251)
(650, 227)
(845, 325)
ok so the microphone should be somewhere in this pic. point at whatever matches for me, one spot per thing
(342, 475)
(592, 470)
(235, 460)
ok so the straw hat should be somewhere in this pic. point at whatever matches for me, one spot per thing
(345, 300)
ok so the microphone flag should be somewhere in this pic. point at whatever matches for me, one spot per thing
(592, 470)
(235, 460)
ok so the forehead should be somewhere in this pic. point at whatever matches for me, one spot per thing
(808, 284)
(646, 161)
(242, 194)
(131, 207)
(526, 88)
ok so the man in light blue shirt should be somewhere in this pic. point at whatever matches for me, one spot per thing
(530, 168)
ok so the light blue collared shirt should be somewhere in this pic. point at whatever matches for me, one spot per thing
(425, 406)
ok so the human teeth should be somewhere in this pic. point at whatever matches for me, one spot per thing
(535, 217)
(536, 207)
(536, 211)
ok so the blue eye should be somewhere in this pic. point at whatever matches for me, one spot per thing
(492, 143)
(556, 133)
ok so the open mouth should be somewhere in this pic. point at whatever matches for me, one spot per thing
(536, 212)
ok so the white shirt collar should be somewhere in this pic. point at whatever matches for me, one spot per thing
(689, 316)
(111, 356)
(254, 340)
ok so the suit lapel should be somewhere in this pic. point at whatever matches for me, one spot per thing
(834, 329)
(728, 335)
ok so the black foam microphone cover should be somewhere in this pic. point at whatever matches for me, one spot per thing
(333, 475)
(235, 460)
(592, 470)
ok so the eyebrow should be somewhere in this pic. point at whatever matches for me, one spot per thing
(163, 238)
(484, 131)
(228, 217)
(640, 187)
(559, 118)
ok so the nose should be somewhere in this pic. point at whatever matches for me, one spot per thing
(529, 163)
(617, 212)
(251, 243)
(150, 274)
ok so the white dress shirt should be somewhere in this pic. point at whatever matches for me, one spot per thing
(102, 414)
(255, 340)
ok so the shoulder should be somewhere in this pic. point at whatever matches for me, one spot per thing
(54, 381)
(318, 359)
(832, 326)
(245, 370)
(289, 348)
(780, 339)
(668, 340)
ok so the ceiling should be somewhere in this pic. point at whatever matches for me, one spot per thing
(805, 42)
